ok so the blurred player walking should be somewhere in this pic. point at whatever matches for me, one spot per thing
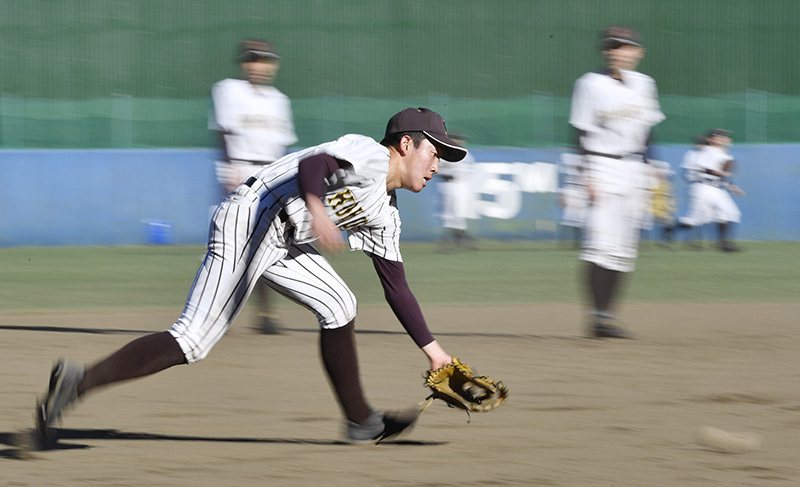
(614, 112)
(255, 125)
(453, 185)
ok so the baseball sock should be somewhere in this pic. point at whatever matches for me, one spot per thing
(602, 284)
(143, 356)
(338, 350)
(723, 233)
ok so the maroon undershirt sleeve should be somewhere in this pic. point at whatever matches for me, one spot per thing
(402, 300)
(312, 172)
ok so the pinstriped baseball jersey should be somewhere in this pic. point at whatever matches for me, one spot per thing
(615, 116)
(355, 197)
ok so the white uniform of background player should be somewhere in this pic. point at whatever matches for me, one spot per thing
(253, 117)
(454, 205)
(614, 112)
(255, 124)
(709, 197)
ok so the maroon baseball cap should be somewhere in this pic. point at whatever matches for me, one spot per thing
(429, 123)
(620, 34)
(251, 50)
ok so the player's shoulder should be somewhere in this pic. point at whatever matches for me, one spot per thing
(592, 77)
(593, 80)
(229, 84)
(357, 147)
(639, 78)
(356, 140)
(272, 92)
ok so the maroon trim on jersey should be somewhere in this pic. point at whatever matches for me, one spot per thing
(312, 172)
(402, 300)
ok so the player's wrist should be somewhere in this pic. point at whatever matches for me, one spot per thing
(436, 355)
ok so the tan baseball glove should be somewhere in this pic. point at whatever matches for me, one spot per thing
(458, 386)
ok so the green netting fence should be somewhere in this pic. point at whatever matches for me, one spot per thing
(137, 73)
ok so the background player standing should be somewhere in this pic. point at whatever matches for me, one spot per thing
(709, 170)
(454, 201)
(690, 175)
(255, 126)
(264, 229)
(614, 112)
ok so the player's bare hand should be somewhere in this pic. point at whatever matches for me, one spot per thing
(736, 190)
(592, 194)
(329, 236)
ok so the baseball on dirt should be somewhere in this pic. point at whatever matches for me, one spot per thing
(727, 441)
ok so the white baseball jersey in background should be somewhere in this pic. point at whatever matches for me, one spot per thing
(257, 125)
(257, 120)
(690, 167)
(615, 119)
(615, 116)
(709, 202)
(453, 186)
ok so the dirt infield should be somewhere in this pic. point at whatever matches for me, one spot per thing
(582, 412)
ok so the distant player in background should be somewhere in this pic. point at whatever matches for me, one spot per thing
(254, 121)
(573, 199)
(453, 189)
(690, 175)
(614, 112)
(711, 171)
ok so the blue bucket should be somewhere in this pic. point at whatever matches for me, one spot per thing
(158, 232)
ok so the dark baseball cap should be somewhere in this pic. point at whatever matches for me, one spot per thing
(251, 50)
(720, 133)
(615, 35)
(429, 123)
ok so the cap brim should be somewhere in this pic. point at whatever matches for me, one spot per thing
(451, 151)
(258, 54)
(629, 42)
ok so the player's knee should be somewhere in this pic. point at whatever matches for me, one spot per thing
(194, 347)
(339, 316)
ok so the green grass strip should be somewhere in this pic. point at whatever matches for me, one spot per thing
(500, 272)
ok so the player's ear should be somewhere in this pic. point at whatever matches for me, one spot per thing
(404, 144)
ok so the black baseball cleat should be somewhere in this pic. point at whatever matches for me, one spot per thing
(601, 330)
(62, 393)
(382, 426)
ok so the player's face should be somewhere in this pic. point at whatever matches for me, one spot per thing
(721, 141)
(421, 164)
(624, 57)
(261, 72)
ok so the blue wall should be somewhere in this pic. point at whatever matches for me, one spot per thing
(111, 197)
(105, 197)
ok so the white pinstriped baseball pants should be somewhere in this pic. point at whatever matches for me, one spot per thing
(247, 242)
